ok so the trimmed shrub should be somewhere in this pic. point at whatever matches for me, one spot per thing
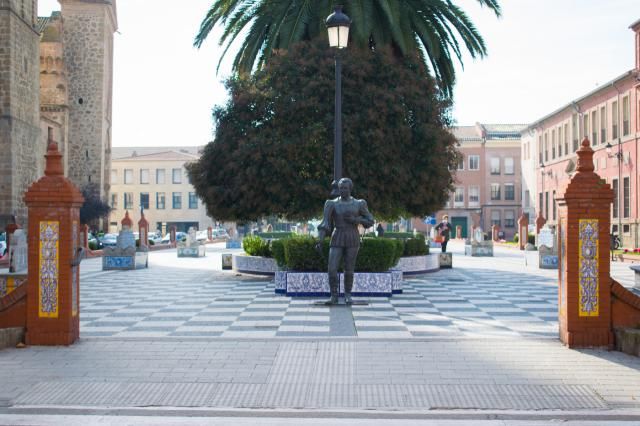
(516, 238)
(277, 248)
(256, 246)
(93, 245)
(376, 255)
(399, 250)
(398, 235)
(531, 238)
(301, 255)
(275, 235)
(415, 246)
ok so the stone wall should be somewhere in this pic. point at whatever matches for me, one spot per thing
(19, 104)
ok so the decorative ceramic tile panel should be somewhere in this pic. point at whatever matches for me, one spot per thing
(281, 282)
(74, 270)
(48, 269)
(118, 262)
(588, 267)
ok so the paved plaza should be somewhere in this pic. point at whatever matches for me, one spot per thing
(183, 338)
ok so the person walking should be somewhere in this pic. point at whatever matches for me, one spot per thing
(444, 228)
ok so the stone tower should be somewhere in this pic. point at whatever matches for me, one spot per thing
(20, 143)
(88, 28)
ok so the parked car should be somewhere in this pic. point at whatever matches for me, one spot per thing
(3, 243)
(156, 237)
(180, 236)
(202, 235)
(109, 240)
(220, 233)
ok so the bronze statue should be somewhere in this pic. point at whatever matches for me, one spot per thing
(341, 218)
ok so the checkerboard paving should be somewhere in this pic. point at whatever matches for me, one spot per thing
(459, 303)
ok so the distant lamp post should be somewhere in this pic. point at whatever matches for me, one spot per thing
(618, 156)
(542, 200)
(338, 30)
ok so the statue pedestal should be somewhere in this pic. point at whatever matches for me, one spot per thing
(316, 284)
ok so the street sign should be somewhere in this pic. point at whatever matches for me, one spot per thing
(429, 220)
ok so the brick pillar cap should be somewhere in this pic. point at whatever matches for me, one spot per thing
(585, 157)
(523, 218)
(126, 221)
(54, 165)
(142, 223)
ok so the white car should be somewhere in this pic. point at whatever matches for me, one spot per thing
(202, 236)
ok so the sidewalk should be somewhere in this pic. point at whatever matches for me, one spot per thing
(519, 374)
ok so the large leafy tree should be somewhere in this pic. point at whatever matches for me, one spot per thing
(434, 29)
(272, 153)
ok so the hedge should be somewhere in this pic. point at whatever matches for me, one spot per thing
(275, 235)
(256, 246)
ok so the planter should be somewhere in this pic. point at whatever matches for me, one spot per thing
(254, 264)
(316, 284)
(418, 264)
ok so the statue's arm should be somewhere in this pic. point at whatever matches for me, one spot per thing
(326, 226)
(366, 218)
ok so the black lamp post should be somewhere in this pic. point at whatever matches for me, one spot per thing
(542, 197)
(618, 156)
(338, 29)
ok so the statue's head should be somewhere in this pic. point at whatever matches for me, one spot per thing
(345, 185)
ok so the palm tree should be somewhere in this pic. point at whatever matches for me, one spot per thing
(432, 28)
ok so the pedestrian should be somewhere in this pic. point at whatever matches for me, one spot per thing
(380, 230)
(444, 228)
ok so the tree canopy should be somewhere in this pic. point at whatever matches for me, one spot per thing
(93, 207)
(273, 150)
(436, 30)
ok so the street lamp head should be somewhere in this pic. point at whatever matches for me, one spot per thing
(338, 28)
(608, 146)
(542, 166)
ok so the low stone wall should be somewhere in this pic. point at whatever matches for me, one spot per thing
(316, 284)
(254, 264)
(418, 264)
(627, 340)
(481, 249)
(198, 251)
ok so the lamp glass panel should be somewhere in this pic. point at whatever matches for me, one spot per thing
(333, 36)
(343, 37)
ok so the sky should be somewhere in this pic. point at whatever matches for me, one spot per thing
(542, 54)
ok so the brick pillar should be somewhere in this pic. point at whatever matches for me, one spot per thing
(53, 279)
(172, 233)
(84, 236)
(458, 231)
(584, 288)
(209, 233)
(540, 222)
(494, 232)
(523, 230)
(143, 230)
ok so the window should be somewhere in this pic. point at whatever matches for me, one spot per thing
(461, 162)
(603, 125)
(616, 202)
(193, 200)
(585, 125)
(128, 176)
(160, 176)
(458, 197)
(474, 162)
(177, 200)
(144, 200)
(509, 219)
(539, 149)
(565, 137)
(625, 195)
(625, 116)
(509, 192)
(546, 147)
(594, 128)
(614, 120)
(144, 176)
(574, 132)
(626, 229)
(114, 176)
(553, 144)
(128, 200)
(495, 217)
(474, 196)
(560, 141)
(508, 166)
(546, 204)
(495, 191)
(160, 200)
(554, 209)
(176, 176)
(541, 202)
(495, 165)
(114, 200)
(527, 194)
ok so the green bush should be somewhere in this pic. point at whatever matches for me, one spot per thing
(256, 246)
(93, 245)
(531, 238)
(277, 248)
(275, 235)
(415, 246)
(399, 250)
(516, 238)
(301, 255)
(376, 255)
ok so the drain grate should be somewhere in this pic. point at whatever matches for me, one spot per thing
(302, 395)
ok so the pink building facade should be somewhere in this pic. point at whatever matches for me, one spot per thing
(609, 116)
(487, 182)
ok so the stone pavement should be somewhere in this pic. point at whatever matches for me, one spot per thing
(477, 341)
